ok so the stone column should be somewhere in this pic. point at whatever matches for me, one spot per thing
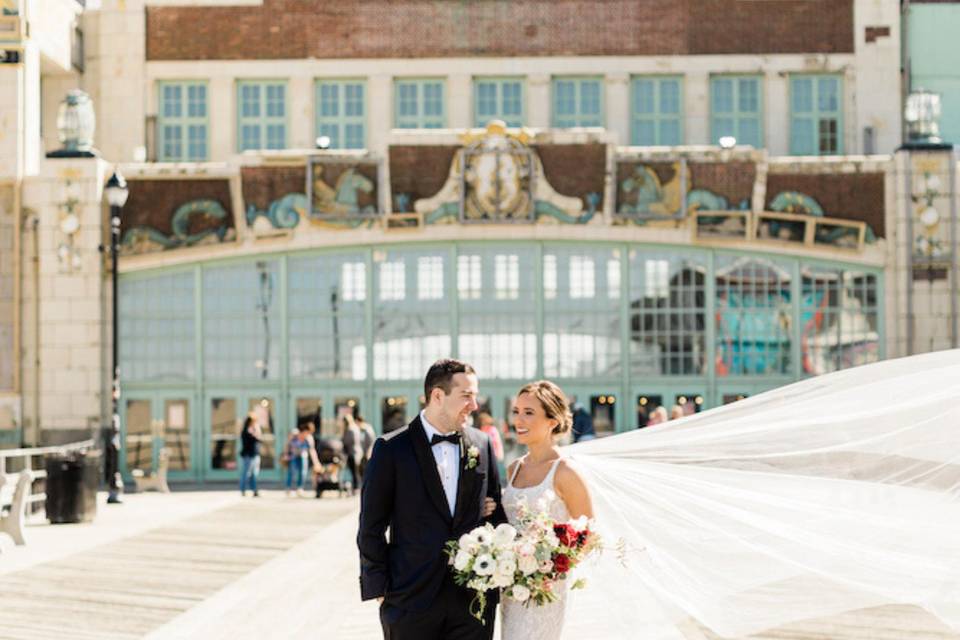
(539, 100)
(66, 337)
(618, 106)
(926, 237)
(460, 101)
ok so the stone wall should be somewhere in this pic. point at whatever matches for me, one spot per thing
(68, 397)
(8, 270)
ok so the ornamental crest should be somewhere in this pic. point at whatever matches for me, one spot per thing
(497, 177)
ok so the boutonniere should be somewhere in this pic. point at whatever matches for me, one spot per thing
(473, 457)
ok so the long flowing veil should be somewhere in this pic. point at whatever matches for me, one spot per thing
(836, 493)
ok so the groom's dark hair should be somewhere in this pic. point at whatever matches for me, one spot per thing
(441, 375)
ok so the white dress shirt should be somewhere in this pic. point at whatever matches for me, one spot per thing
(447, 456)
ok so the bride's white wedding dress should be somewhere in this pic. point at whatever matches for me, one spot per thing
(520, 622)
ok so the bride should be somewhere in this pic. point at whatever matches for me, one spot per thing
(540, 415)
(836, 493)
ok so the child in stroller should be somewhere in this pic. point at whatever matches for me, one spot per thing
(330, 453)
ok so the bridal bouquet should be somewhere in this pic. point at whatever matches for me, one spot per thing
(482, 560)
(526, 561)
(546, 552)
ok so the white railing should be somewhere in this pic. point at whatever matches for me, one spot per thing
(26, 458)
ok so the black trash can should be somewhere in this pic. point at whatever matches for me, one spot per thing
(72, 481)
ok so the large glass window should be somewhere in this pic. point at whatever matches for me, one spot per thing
(261, 115)
(753, 317)
(577, 102)
(241, 321)
(157, 328)
(420, 104)
(581, 336)
(327, 316)
(667, 313)
(839, 319)
(500, 99)
(182, 121)
(412, 314)
(816, 115)
(656, 104)
(736, 109)
(342, 113)
(498, 327)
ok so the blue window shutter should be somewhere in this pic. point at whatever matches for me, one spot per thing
(341, 113)
(182, 121)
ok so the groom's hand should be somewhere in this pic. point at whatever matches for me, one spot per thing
(489, 506)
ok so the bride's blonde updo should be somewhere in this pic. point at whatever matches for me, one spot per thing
(553, 401)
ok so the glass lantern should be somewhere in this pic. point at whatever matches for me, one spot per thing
(922, 115)
(76, 123)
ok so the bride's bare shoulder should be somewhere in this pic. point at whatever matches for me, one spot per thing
(571, 486)
(567, 473)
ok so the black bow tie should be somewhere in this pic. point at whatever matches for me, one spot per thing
(452, 438)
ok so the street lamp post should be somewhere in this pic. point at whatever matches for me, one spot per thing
(117, 192)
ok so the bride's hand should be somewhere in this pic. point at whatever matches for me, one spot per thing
(489, 506)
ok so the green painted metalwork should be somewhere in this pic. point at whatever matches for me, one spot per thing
(499, 305)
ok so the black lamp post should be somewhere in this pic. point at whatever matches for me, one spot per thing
(117, 192)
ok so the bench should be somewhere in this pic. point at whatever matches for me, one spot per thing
(155, 481)
(13, 504)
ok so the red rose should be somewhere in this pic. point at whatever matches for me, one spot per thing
(581, 538)
(565, 533)
(561, 563)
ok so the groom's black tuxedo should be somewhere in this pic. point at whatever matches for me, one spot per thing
(402, 491)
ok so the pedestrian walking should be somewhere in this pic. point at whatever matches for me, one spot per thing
(298, 453)
(367, 437)
(250, 438)
(352, 440)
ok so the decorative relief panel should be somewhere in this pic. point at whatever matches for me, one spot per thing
(170, 214)
(498, 177)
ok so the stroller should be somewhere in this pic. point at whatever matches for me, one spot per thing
(330, 453)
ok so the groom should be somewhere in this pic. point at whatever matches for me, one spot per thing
(429, 483)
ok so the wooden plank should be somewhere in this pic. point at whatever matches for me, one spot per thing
(127, 588)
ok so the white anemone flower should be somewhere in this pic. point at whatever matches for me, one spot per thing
(484, 565)
(461, 560)
(483, 535)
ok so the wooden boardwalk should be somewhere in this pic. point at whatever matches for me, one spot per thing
(276, 568)
(129, 587)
